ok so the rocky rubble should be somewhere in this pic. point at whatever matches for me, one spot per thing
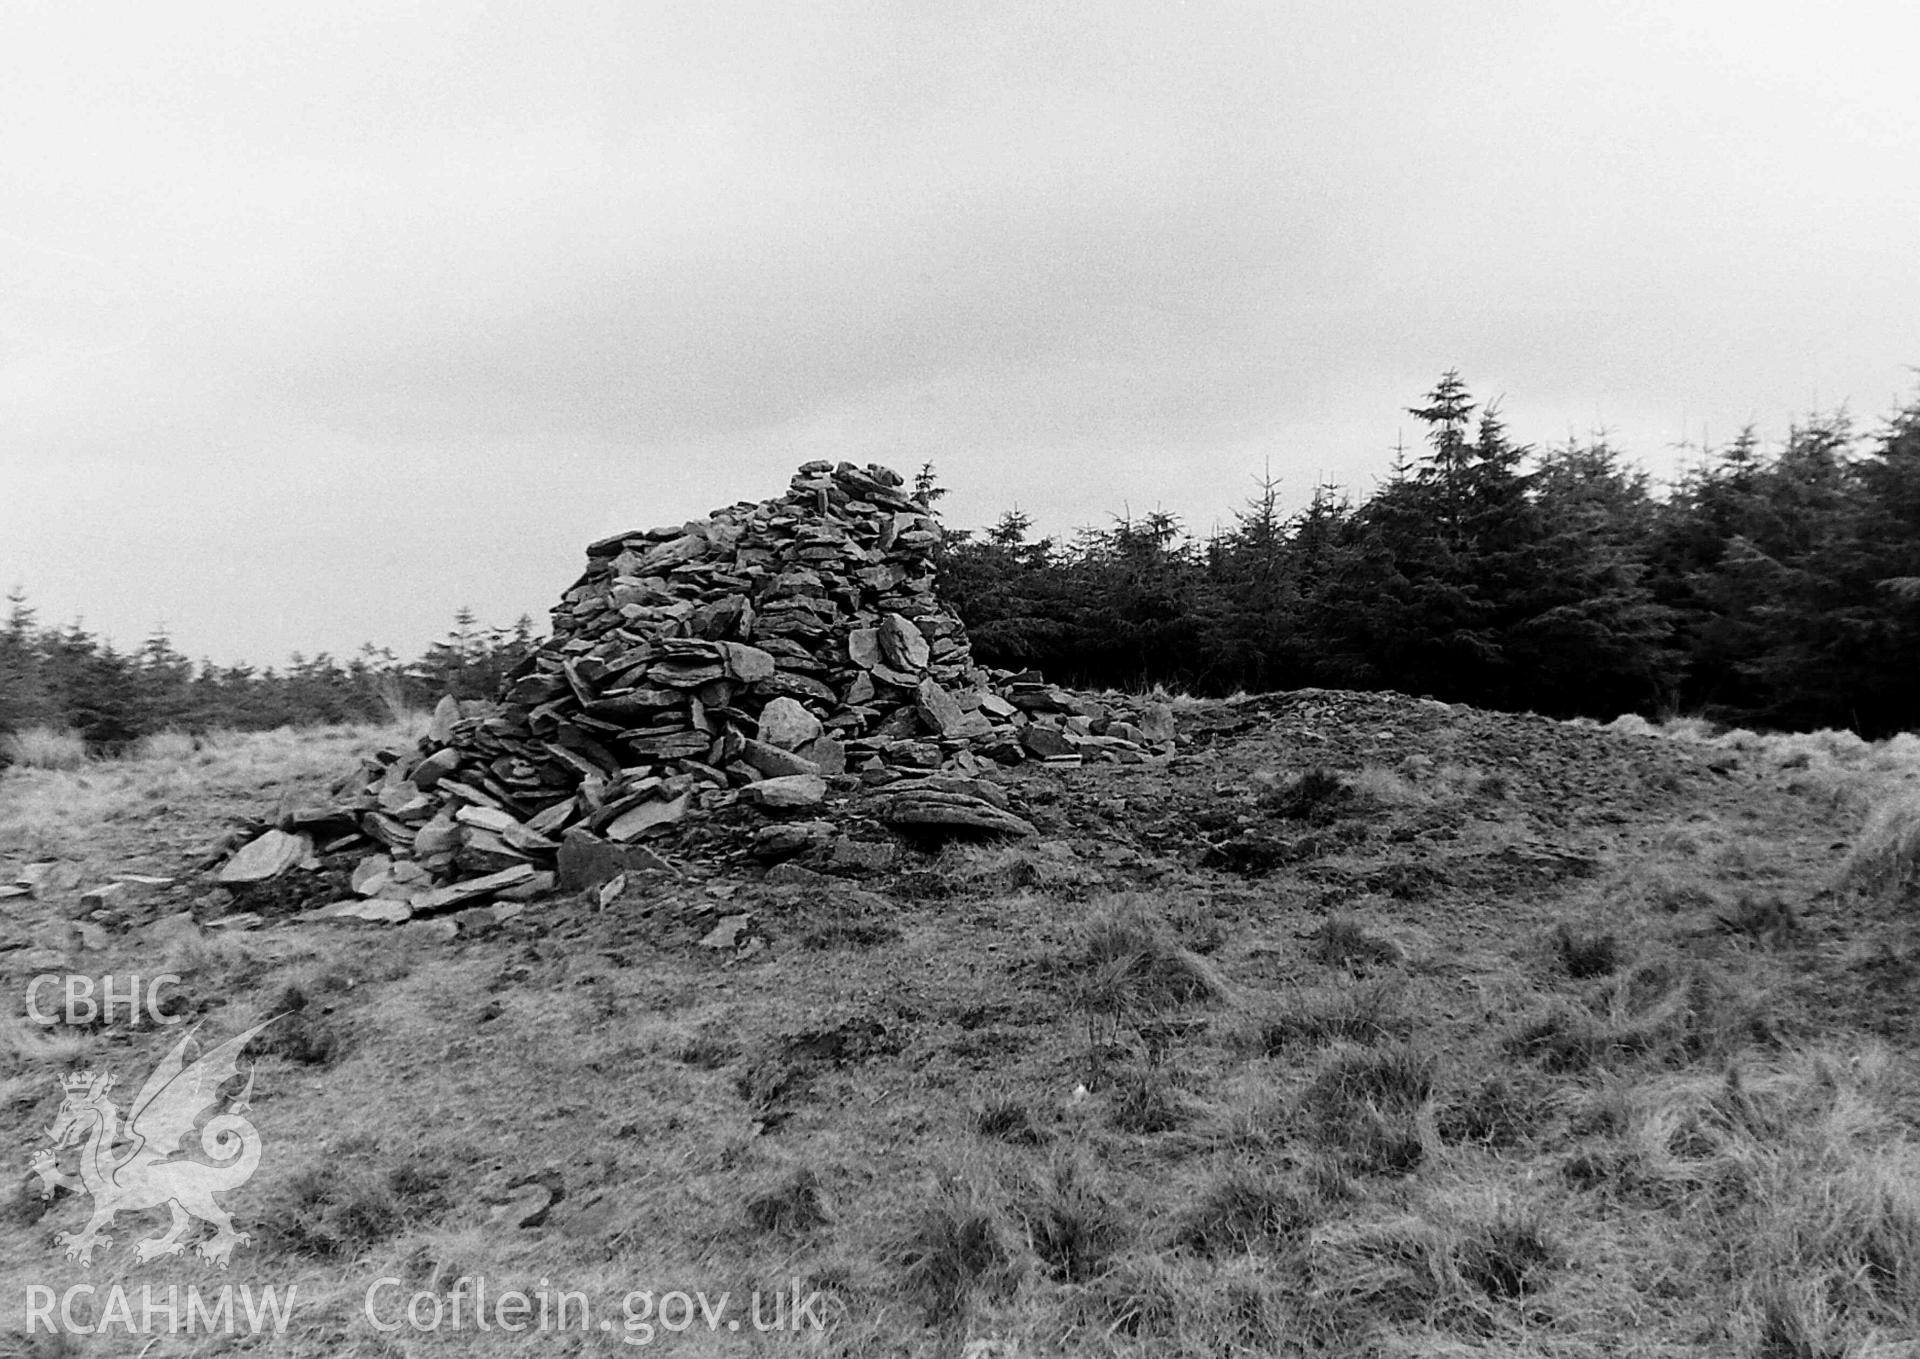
(791, 658)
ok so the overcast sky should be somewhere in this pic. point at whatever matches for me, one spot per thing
(320, 321)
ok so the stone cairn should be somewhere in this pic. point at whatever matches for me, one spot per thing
(765, 656)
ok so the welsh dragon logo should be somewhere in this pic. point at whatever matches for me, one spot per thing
(144, 1164)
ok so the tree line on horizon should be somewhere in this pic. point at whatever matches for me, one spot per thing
(1775, 588)
(68, 679)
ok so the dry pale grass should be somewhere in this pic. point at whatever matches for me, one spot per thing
(43, 748)
(1632, 724)
(30, 1049)
(1184, 702)
(1459, 1264)
(101, 812)
(1886, 855)
(1903, 748)
(1803, 1171)
(1897, 755)
(1688, 729)
(1049, 866)
(170, 745)
(1387, 788)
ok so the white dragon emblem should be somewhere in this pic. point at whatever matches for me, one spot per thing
(151, 1168)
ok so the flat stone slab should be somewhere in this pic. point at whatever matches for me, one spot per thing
(786, 793)
(927, 807)
(266, 856)
(444, 898)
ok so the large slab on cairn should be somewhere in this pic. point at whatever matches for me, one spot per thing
(773, 655)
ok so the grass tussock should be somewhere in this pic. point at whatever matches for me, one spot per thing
(1359, 1012)
(303, 1030)
(1005, 1117)
(1147, 1103)
(1585, 953)
(1509, 1254)
(1765, 920)
(27, 1048)
(793, 1205)
(1127, 977)
(215, 964)
(709, 1048)
(1049, 867)
(957, 1249)
(1243, 1207)
(1139, 964)
(1675, 892)
(1139, 1298)
(346, 1207)
(1315, 796)
(1367, 1107)
(1342, 941)
(1072, 1222)
(1499, 1110)
(1458, 1270)
(1658, 1012)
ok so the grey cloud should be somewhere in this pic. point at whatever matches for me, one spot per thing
(1078, 255)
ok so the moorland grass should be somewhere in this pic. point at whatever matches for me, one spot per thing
(1584, 1115)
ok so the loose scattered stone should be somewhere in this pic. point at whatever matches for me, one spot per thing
(172, 929)
(376, 911)
(796, 875)
(727, 933)
(631, 824)
(539, 885)
(786, 724)
(788, 793)
(32, 877)
(440, 899)
(107, 894)
(267, 856)
(1048, 743)
(371, 874)
(929, 808)
(783, 840)
(774, 762)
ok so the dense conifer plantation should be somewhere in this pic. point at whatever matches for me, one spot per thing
(68, 678)
(1770, 588)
